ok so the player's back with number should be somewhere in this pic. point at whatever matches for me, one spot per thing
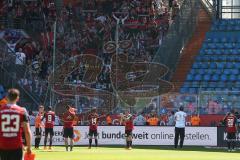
(50, 119)
(93, 121)
(11, 118)
(231, 121)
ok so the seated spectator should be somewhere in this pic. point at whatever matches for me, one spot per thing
(109, 120)
(238, 118)
(31, 118)
(171, 119)
(163, 119)
(139, 120)
(213, 107)
(153, 120)
(195, 120)
(170, 4)
(3, 101)
(57, 121)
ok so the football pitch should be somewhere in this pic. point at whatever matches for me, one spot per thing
(137, 153)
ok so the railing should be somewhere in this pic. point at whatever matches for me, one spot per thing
(210, 6)
(229, 12)
(203, 103)
(178, 35)
(12, 74)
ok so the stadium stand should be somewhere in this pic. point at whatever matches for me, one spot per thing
(216, 68)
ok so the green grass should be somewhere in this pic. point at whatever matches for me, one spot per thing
(138, 153)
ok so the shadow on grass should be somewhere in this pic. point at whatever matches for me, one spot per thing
(187, 148)
(50, 151)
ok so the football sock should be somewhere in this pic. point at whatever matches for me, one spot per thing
(130, 143)
(90, 142)
(36, 139)
(38, 142)
(233, 144)
(66, 144)
(50, 144)
(71, 144)
(45, 141)
(229, 145)
(96, 142)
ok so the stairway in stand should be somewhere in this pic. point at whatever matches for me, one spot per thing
(191, 49)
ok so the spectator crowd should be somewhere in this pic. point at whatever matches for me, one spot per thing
(83, 27)
(141, 119)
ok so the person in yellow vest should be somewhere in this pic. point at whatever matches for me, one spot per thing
(195, 120)
(38, 126)
(153, 120)
(109, 120)
(3, 101)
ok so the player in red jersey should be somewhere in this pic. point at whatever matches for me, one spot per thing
(49, 124)
(231, 128)
(127, 120)
(68, 121)
(13, 121)
(93, 122)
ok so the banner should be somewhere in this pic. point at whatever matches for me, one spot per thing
(222, 137)
(142, 135)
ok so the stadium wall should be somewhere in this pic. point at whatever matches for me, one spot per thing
(143, 135)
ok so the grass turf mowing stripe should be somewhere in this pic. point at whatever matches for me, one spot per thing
(138, 153)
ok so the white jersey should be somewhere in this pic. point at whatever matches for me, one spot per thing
(180, 118)
(20, 58)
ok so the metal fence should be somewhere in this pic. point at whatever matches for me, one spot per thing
(229, 9)
(178, 35)
(13, 75)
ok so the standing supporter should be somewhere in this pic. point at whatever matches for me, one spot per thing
(20, 57)
(49, 124)
(20, 62)
(175, 9)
